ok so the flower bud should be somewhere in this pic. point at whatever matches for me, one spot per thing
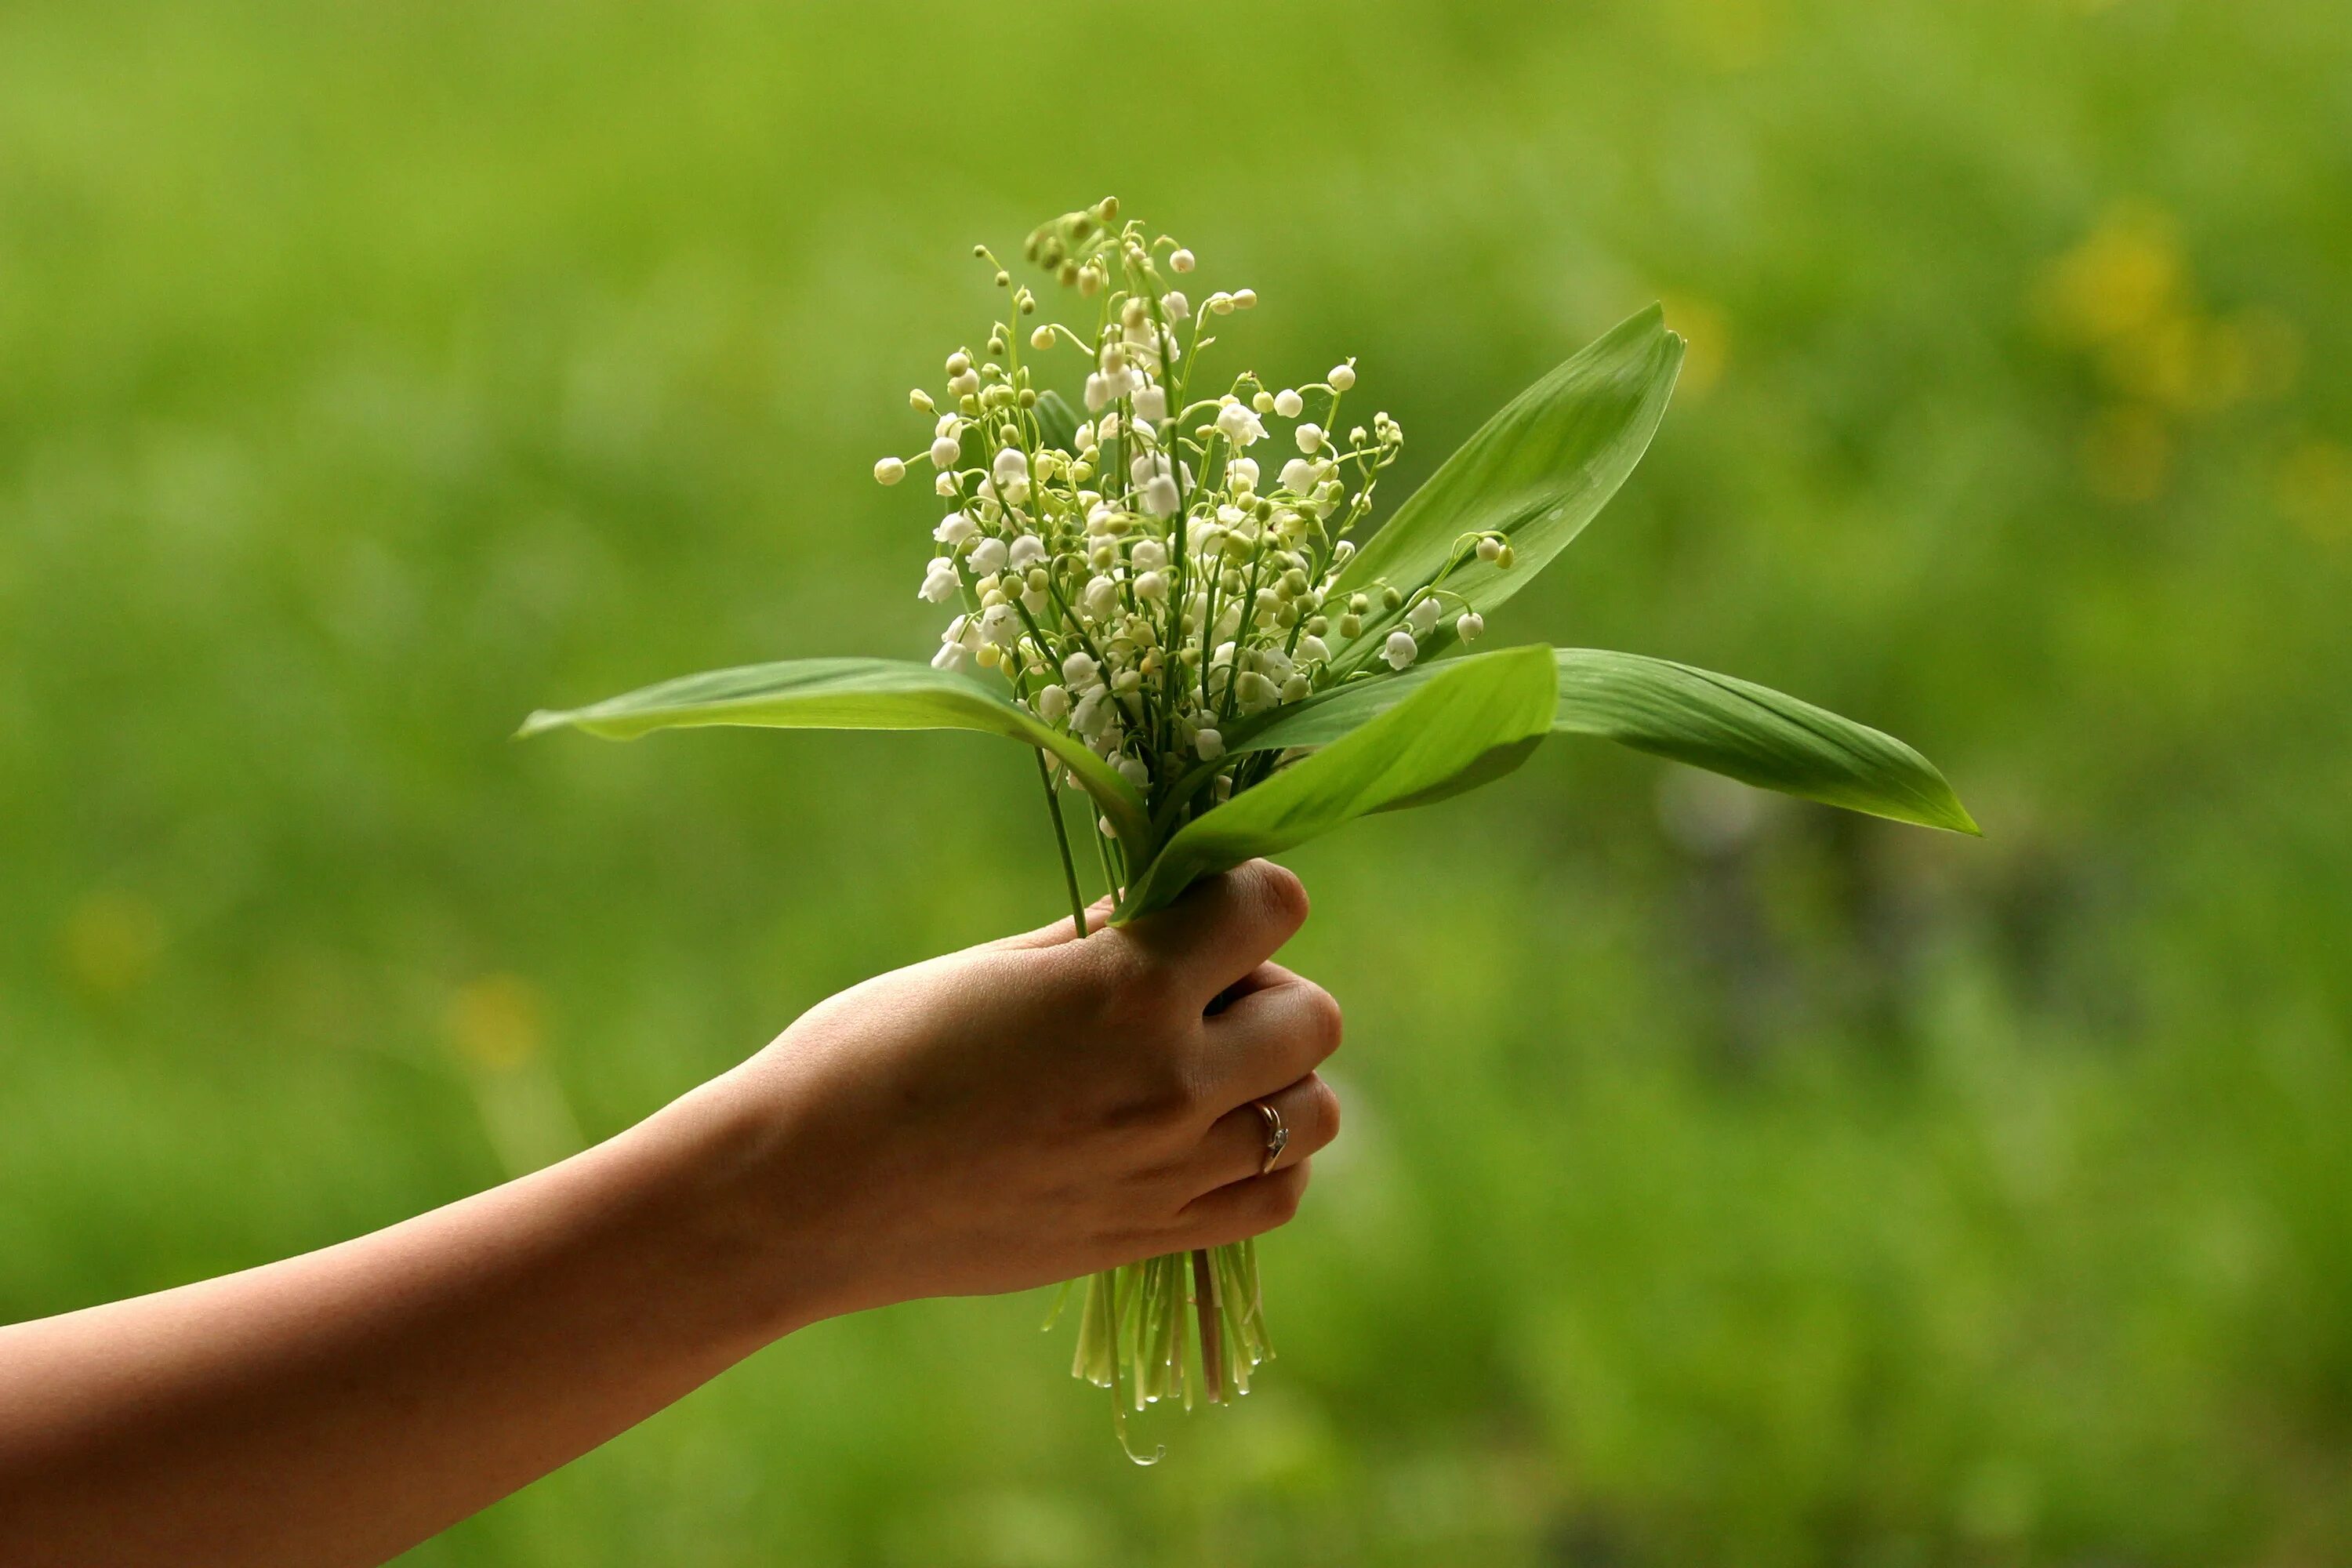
(1288, 404)
(1151, 586)
(1310, 438)
(1489, 548)
(1505, 557)
(1468, 625)
(1181, 262)
(1390, 598)
(945, 451)
(1042, 339)
(1351, 626)
(890, 470)
(1054, 704)
(1244, 299)
(1132, 770)
(920, 401)
(1399, 651)
(1342, 377)
(1210, 744)
(965, 385)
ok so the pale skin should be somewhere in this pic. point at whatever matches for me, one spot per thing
(1005, 1117)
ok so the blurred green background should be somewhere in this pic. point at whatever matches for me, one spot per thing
(1726, 1180)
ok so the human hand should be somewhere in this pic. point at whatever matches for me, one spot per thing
(1038, 1108)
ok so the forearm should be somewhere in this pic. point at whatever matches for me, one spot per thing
(339, 1407)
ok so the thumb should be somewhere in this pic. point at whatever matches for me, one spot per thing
(1059, 933)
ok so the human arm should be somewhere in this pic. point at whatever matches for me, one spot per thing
(1005, 1117)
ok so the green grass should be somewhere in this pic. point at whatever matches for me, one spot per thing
(1721, 1184)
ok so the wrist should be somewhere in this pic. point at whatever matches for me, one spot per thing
(732, 1228)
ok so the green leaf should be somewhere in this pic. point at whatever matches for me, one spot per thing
(1718, 723)
(1057, 423)
(1537, 472)
(1468, 720)
(1751, 733)
(851, 694)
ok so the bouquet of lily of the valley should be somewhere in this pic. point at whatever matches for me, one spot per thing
(1161, 591)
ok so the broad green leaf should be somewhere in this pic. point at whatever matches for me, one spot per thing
(1725, 725)
(850, 694)
(1469, 721)
(1057, 423)
(1537, 472)
(1751, 733)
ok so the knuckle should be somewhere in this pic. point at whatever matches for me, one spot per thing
(1282, 893)
(1326, 1113)
(1285, 1191)
(1325, 1023)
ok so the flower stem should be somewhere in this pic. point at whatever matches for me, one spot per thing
(1212, 1335)
(1062, 842)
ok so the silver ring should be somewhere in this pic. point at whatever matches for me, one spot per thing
(1277, 1135)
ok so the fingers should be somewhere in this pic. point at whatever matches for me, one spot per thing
(1240, 1209)
(1236, 1146)
(1224, 927)
(1277, 1031)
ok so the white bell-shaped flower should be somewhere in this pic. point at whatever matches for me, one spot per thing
(940, 581)
(989, 556)
(1079, 670)
(1001, 624)
(1298, 475)
(1239, 423)
(1288, 404)
(1468, 625)
(954, 529)
(1052, 704)
(1399, 651)
(1422, 616)
(1151, 402)
(944, 452)
(1210, 744)
(1160, 496)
